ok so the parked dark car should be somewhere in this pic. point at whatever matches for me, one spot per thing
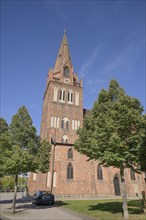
(43, 198)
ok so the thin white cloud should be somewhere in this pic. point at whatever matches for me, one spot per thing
(92, 82)
(88, 63)
(124, 61)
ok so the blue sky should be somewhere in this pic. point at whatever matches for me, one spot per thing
(106, 41)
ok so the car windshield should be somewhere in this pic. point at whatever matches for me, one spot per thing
(39, 193)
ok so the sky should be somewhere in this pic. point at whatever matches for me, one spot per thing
(106, 41)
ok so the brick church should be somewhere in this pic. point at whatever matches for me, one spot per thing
(71, 175)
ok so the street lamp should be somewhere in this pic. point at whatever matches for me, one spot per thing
(53, 142)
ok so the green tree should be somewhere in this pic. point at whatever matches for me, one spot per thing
(5, 144)
(3, 126)
(114, 132)
(43, 156)
(25, 143)
(7, 183)
(142, 152)
(26, 153)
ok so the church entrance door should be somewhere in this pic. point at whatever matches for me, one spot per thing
(117, 186)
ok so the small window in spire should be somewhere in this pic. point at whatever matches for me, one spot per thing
(66, 71)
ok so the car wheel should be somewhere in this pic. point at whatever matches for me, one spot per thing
(52, 203)
(37, 202)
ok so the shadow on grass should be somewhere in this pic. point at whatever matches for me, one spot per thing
(135, 203)
(115, 208)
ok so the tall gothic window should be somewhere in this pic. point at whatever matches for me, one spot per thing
(66, 71)
(69, 171)
(62, 94)
(132, 173)
(99, 172)
(62, 123)
(70, 96)
(65, 123)
(70, 153)
(145, 177)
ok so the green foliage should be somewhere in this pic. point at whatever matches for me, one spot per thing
(3, 126)
(44, 156)
(23, 132)
(22, 182)
(5, 144)
(24, 144)
(114, 132)
(21, 161)
(142, 152)
(7, 183)
(20, 147)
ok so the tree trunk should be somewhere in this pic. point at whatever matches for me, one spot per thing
(124, 193)
(15, 194)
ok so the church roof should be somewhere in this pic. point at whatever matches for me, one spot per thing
(63, 57)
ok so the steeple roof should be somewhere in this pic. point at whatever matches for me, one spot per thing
(63, 57)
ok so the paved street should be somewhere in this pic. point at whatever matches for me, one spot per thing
(26, 210)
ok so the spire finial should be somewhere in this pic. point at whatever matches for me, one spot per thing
(65, 30)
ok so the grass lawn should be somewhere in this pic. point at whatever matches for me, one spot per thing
(105, 209)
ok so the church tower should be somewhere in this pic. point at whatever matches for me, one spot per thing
(62, 111)
(62, 115)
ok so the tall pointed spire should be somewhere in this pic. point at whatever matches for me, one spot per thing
(63, 57)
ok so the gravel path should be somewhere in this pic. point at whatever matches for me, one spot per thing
(26, 210)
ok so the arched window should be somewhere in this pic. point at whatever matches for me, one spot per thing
(69, 171)
(65, 123)
(99, 172)
(66, 71)
(145, 177)
(62, 95)
(64, 139)
(62, 123)
(70, 96)
(132, 173)
(117, 186)
(70, 153)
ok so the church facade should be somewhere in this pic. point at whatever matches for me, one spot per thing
(71, 174)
